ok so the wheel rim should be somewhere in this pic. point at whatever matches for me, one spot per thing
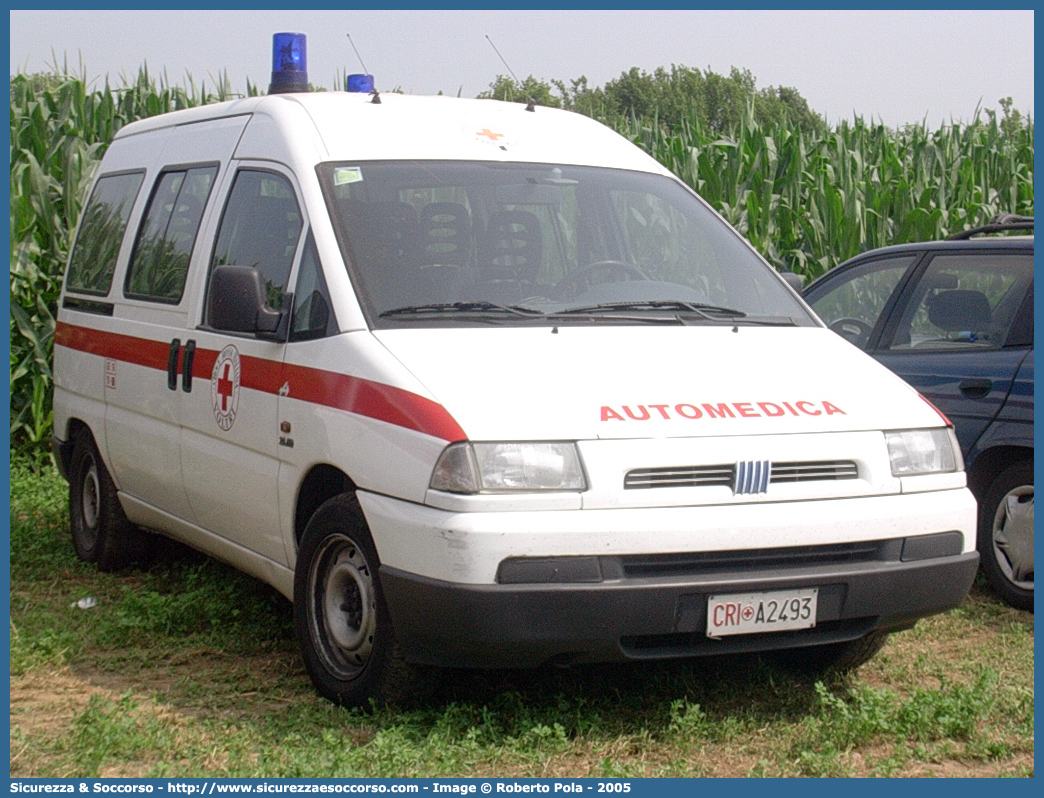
(343, 608)
(90, 502)
(1013, 536)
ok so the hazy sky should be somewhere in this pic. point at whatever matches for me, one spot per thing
(893, 66)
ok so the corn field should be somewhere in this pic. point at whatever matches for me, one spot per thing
(59, 132)
(805, 201)
(806, 204)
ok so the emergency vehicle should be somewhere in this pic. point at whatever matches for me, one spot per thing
(482, 384)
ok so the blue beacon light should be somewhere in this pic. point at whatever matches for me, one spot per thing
(362, 84)
(289, 63)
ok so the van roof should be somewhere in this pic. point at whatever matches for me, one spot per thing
(350, 126)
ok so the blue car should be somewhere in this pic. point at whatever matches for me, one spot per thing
(954, 318)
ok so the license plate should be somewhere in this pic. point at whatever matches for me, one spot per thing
(772, 611)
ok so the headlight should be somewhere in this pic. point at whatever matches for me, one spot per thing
(923, 451)
(508, 467)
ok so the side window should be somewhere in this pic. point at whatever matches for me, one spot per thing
(93, 260)
(964, 302)
(313, 311)
(853, 305)
(260, 227)
(160, 261)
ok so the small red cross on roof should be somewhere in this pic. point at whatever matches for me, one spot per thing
(489, 134)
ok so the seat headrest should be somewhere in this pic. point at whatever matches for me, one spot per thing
(445, 234)
(960, 310)
(513, 245)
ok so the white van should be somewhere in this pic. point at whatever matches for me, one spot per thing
(476, 384)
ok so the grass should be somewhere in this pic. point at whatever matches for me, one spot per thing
(189, 668)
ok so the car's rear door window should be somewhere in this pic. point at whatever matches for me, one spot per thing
(963, 302)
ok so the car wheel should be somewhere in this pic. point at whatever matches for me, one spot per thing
(832, 658)
(101, 532)
(1006, 535)
(340, 617)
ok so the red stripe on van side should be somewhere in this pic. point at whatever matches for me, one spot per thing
(256, 373)
(139, 351)
(373, 399)
(363, 397)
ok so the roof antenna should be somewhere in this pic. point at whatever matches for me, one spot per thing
(364, 82)
(532, 103)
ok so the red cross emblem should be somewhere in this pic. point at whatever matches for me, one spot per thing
(748, 612)
(224, 387)
(489, 134)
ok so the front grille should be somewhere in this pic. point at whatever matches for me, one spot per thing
(769, 563)
(725, 475)
(684, 477)
(644, 566)
(697, 644)
(814, 471)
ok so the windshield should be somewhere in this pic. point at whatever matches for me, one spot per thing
(460, 243)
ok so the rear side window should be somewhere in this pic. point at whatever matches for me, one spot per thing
(159, 265)
(260, 227)
(964, 302)
(104, 222)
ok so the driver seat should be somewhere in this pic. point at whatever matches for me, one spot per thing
(510, 253)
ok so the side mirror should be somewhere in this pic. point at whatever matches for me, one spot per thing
(238, 302)
(794, 280)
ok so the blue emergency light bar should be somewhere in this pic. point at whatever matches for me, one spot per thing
(360, 83)
(289, 63)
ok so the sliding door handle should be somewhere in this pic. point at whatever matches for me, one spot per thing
(186, 367)
(172, 363)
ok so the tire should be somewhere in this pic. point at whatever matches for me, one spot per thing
(1006, 535)
(340, 616)
(832, 658)
(101, 532)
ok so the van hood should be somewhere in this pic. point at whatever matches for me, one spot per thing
(583, 383)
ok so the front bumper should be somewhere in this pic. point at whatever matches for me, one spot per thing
(468, 547)
(517, 589)
(501, 626)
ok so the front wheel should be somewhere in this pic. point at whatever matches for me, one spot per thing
(833, 658)
(340, 618)
(1006, 535)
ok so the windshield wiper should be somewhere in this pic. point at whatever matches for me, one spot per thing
(490, 310)
(704, 311)
(712, 312)
(462, 307)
